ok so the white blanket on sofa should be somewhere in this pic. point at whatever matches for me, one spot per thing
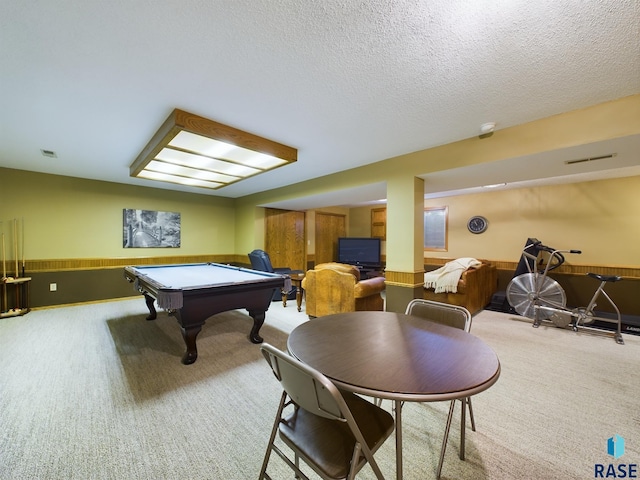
(445, 279)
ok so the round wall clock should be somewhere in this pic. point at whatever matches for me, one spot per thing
(477, 224)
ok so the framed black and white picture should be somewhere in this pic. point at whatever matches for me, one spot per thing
(150, 229)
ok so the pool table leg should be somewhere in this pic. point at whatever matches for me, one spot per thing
(152, 309)
(258, 320)
(189, 334)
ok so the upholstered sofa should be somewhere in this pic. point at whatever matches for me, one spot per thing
(475, 288)
(337, 287)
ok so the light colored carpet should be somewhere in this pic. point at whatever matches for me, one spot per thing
(97, 392)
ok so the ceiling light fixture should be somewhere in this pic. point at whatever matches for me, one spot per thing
(195, 151)
(494, 185)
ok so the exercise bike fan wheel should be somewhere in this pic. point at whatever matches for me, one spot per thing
(529, 289)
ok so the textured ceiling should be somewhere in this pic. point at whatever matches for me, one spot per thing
(346, 82)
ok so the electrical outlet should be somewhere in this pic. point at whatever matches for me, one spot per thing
(53, 287)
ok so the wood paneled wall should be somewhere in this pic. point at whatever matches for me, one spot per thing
(285, 238)
(329, 227)
(66, 264)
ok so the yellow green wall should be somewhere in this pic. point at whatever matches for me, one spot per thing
(68, 218)
(72, 218)
(360, 221)
(249, 233)
(599, 217)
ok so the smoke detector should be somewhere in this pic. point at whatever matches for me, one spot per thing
(487, 128)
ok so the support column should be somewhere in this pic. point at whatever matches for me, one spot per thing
(404, 272)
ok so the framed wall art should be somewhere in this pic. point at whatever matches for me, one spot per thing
(150, 229)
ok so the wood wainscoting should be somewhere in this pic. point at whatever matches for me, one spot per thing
(66, 264)
(81, 280)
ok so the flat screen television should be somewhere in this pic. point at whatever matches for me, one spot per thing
(363, 252)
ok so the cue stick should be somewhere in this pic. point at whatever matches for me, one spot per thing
(23, 246)
(15, 244)
(4, 275)
(4, 259)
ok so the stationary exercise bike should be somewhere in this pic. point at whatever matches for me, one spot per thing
(537, 296)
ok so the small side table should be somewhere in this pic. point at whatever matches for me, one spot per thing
(296, 281)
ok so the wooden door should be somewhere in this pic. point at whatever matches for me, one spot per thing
(329, 227)
(285, 238)
(379, 223)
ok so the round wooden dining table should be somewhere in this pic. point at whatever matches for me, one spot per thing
(395, 356)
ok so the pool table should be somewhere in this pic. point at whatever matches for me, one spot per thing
(194, 292)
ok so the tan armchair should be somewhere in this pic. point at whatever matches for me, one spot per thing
(336, 288)
(475, 289)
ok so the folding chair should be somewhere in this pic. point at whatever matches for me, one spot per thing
(335, 432)
(457, 317)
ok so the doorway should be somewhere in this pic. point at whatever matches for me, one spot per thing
(285, 238)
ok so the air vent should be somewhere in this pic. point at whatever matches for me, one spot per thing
(48, 153)
(590, 159)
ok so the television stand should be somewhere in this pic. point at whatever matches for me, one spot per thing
(370, 271)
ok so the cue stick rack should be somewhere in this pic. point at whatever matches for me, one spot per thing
(15, 286)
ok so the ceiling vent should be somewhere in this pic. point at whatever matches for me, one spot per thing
(48, 153)
(590, 159)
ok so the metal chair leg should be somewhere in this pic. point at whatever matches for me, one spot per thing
(473, 422)
(297, 465)
(465, 402)
(463, 415)
(444, 440)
